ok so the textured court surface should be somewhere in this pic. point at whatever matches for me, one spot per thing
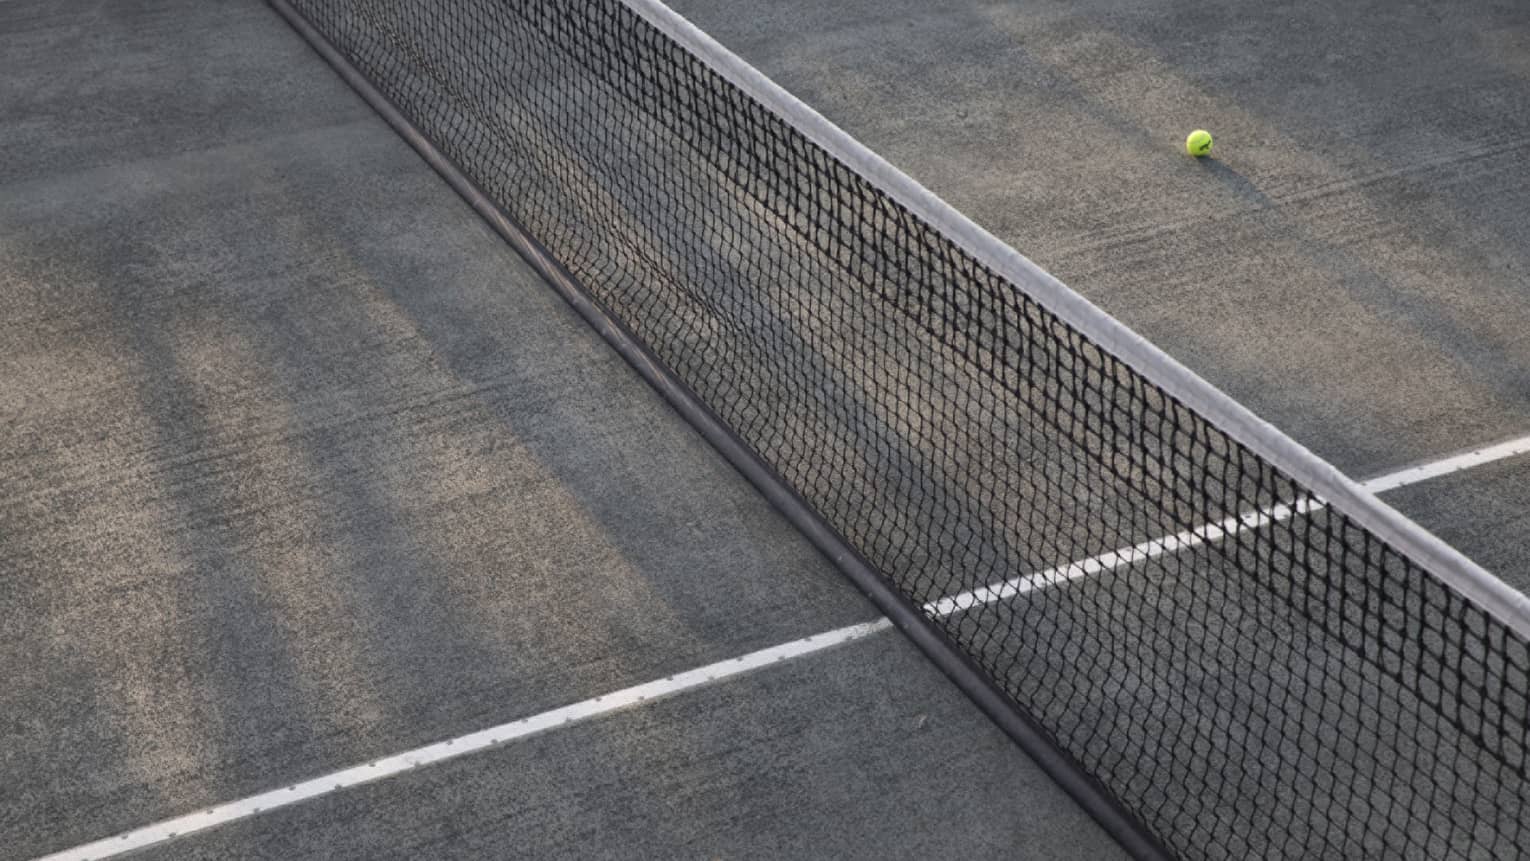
(302, 466)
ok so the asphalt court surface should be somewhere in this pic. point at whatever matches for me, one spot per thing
(303, 466)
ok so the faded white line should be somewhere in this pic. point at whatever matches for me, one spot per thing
(1447, 465)
(390, 766)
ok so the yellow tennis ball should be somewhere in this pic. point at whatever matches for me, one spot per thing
(1198, 143)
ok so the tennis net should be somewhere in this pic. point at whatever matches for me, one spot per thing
(1239, 649)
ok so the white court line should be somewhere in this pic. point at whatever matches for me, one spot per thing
(169, 829)
(1208, 532)
(1119, 558)
(471, 743)
(1445, 466)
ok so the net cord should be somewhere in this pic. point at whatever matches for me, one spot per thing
(1447, 565)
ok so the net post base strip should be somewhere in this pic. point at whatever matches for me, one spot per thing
(974, 683)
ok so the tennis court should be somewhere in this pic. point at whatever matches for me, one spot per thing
(333, 531)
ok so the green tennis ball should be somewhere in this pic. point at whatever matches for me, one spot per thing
(1198, 143)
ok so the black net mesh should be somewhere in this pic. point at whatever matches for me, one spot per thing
(1248, 671)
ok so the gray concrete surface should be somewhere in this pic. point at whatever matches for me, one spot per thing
(1484, 513)
(302, 466)
(1354, 263)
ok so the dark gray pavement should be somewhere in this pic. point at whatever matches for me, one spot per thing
(302, 466)
(847, 756)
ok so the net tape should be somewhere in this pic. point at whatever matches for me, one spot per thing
(1240, 658)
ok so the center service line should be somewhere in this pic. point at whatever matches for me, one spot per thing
(391, 766)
